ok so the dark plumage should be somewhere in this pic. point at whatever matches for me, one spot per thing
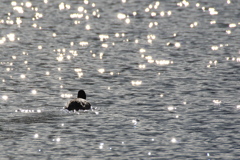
(79, 103)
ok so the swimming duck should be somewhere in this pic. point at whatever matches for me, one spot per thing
(79, 103)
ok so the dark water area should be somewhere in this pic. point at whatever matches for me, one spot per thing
(163, 78)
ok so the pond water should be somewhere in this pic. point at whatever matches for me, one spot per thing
(163, 78)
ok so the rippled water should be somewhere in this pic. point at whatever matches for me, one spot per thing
(163, 77)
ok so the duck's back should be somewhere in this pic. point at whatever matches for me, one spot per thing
(78, 104)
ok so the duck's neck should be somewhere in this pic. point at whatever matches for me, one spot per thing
(81, 94)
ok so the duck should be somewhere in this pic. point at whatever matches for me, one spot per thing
(79, 103)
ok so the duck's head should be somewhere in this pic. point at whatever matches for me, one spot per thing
(81, 94)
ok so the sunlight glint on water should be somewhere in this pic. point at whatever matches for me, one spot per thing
(162, 78)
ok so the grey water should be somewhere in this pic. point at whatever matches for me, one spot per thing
(163, 78)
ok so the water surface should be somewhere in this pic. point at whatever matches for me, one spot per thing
(162, 76)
